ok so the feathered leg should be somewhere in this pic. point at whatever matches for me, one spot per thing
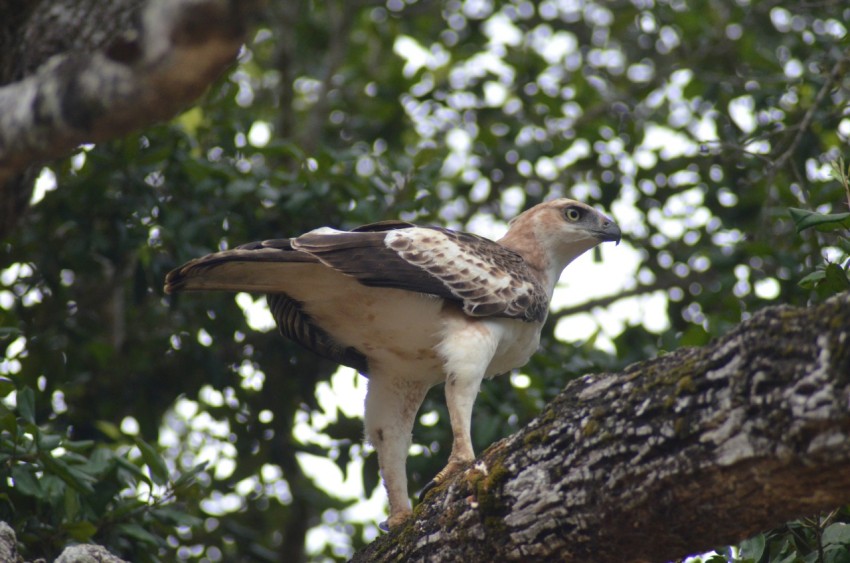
(391, 407)
(465, 367)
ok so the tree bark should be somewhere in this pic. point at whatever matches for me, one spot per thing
(674, 456)
(82, 553)
(85, 71)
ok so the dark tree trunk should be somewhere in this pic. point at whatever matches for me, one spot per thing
(698, 448)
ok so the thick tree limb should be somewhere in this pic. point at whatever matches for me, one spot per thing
(145, 75)
(673, 456)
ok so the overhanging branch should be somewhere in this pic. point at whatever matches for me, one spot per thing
(675, 455)
(149, 74)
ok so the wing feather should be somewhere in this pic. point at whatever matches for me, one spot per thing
(294, 323)
(485, 278)
(256, 266)
(366, 257)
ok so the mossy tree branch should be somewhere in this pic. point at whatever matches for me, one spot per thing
(673, 456)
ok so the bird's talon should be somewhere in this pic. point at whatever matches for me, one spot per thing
(396, 520)
(429, 486)
(449, 470)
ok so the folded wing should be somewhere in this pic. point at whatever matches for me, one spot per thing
(485, 278)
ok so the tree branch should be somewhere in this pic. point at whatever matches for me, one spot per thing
(803, 127)
(661, 284)
(673, 456)
(146, 75)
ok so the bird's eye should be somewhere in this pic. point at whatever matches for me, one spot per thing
(572, 214)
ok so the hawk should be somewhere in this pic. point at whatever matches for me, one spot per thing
(410, 307)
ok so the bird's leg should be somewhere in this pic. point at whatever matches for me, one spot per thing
(391, 406)
(465, 367)
(461, 391)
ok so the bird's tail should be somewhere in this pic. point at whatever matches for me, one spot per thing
(255, 267)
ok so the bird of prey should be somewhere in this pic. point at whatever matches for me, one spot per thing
(410, 307)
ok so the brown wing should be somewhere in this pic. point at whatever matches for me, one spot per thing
(256, 266)
(485, 278)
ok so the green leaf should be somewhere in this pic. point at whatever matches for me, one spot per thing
(8, 420)
(6, 387)
(805, 219)
(834, 281)
(172, 516)
(53, 487)
(70, 475)
(133, 469)
(838, 533)
(25, 481)
(72, 503)
(78, 446)
(753, 548)
(109, 429)
(188, 477)
(159, 471)
(836, 554)
(812, 280)
(9, 331)
(139, 533)
(190, 120)
(48, 442)
(81, 531)
(124, 507)
(26, 404)
(694, 335)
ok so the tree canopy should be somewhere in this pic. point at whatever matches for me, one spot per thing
(712, 130)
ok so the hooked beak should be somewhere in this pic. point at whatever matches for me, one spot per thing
(609, 232)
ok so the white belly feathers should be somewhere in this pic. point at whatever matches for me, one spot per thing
(396, 330)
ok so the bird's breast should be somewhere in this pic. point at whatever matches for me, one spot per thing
(519, 340)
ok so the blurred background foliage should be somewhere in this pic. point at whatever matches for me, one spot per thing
(185, 428)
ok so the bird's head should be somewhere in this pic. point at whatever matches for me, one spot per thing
(552, 234)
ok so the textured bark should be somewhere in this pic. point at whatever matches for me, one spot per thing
(673, 456)
(8, 544)
(83, 553)
(85, 71)
(87, 553)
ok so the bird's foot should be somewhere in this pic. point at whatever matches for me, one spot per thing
(450, 469)
(395, 520)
